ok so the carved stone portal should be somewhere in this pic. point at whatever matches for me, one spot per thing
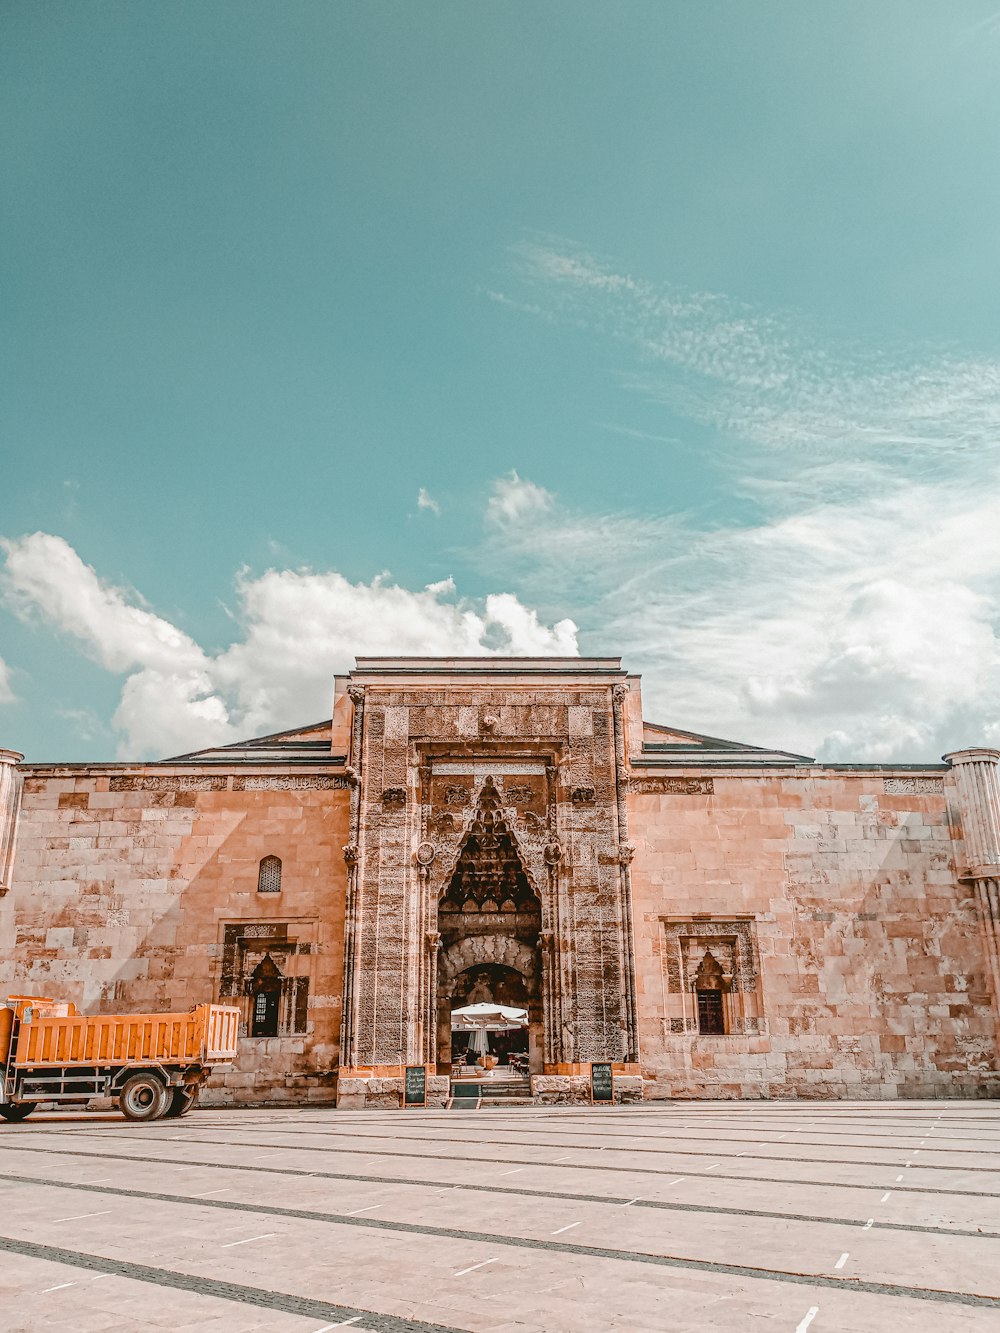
(516, 860)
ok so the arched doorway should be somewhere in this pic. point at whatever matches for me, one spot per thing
(489, 918)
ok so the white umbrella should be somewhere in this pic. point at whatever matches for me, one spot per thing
(492, 1017)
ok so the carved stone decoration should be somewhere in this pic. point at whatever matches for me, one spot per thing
(291, 782)
(518, 795)
(582, 796)
(626, 852)
(911, 786)
(356, 693)
(394, 796)
(180, 782)
(351, 854)
(490, 723)
(420, 737)
(425, 853)
(671, 786)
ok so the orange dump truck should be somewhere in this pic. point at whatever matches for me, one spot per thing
(151, 1064)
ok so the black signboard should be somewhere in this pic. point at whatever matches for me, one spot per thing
(415, 1086)
(602, 1083)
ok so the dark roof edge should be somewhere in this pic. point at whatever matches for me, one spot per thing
(248, 744)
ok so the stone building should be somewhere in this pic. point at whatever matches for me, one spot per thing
(715, 919)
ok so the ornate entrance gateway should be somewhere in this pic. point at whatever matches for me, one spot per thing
(489, 844)
(490, 921)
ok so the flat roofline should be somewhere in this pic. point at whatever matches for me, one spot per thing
(505, 667)
(161, 766)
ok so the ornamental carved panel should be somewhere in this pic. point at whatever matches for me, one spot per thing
(431, 743)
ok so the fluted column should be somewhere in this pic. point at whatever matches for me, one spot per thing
(977, 781)
(10, 804)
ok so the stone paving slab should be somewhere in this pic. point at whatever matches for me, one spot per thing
(553, 1219)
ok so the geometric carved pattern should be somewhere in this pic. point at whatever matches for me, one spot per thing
(269, 875)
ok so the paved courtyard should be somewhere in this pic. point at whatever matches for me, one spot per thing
(749, 1216)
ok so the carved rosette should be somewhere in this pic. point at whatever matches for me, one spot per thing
(425, 853)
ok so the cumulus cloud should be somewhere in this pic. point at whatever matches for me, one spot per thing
(427, 501)
(298, 626)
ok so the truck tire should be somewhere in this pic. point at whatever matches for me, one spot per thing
(143, 1097)
(15, 1111)
(181, 1101)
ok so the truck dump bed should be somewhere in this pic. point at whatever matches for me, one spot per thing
(205, 1036)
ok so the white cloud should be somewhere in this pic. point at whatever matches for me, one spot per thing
(427, 501)
(857, 613)
(765, 377)
(513, 500)
(7, 695)
(299, 627)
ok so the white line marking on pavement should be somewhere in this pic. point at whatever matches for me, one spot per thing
(266, 1236)
(898, 1179)
(77, 1216)
(811, 1314)
(909, 1163)
(206, 1193)
(512, 1173)
(869, 1224)
(60, 1286)
(842, 1260)
(677, 1181)
(564, 1159)
(371, 1207)
(462, 1271)
(713, 1166)
(885, 1196)
(632, 1201)
(568, 1227)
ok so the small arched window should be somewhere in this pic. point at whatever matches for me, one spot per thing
(269, 875)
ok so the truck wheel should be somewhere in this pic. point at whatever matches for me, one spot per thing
(15, 1111)
(181, 1101)
(143, 1097)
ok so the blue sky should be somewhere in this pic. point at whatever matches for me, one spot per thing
(665, 329)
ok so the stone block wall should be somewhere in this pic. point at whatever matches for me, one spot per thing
(868, 976)
(125, 882)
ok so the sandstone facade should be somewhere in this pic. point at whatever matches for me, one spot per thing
(715, 919)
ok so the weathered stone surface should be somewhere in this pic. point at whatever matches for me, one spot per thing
(754, 926)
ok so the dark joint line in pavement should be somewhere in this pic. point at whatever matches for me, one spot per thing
(536, 1162)
(551, 1194)
(226, 1291)
(451, 1233)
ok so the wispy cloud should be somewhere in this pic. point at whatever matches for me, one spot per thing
(7, 695)
(426, 501)
(857, 615)
(765, 377)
